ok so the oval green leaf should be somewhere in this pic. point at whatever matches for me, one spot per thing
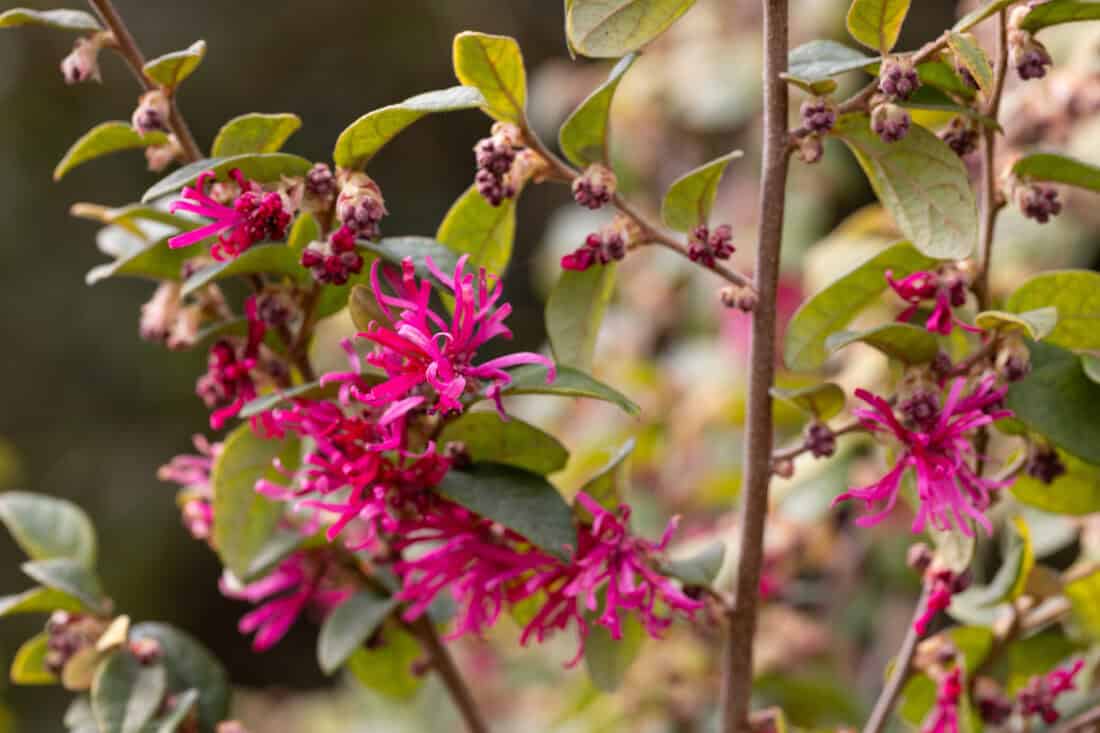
(103, 139)
(691, 197)
(1058, 169)
(614, 28)
(387, 670)
(39, 600)
(1062, 11)
(254, 133)
(700, 569)
(1035, 324)
(608, 659)
(155, 260)
(1075, 295)
(190, 666)
(493, 65)
(272, 259)
(29, 665)
(46, 527)
(171, 69)
(904, 342)
(349, 626)
(583, 136)
(973, 58)
(262, 167)
(608, 485)
(71, 577)
(531, 379)
(126, 694)
(877, 23)
(485, 232)
(823, 401)
(819, 60)
(68, 20)
(575, 311)
(1076, 492)
(512, 442)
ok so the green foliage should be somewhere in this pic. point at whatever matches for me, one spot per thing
(1075, 294)
(877, 23)
(190, 666)
(569, 382)
(362, 140)
(607, 486)
(29, 665)
(274, 259)
(1076, 492)
(38, 600)
(520, 500)
(1084, 597)
(475, 227)
(46, 528)
(575, 311)
(613, 28)
(1035, 324)
(691, 197)
(1058, 169)
(973, 643)
(1036, 655)
(817, 61)
(311, 390)
(349, 626)
(977, 15)
(1060, 11)
(262, 167)
(126, 694)
(171, 69)
(512, 442)
(921, 182)
(494, 65)
(395, 249)
(608, 659)
(246, 519)
(973, 58)
(153, 260)
(103, 139)
(700, 569)
(68, 20)
(583, 137)
(823, 401)
(904, 342)
(834, 307)
(254, 133)
(387, 668)
(69, 576)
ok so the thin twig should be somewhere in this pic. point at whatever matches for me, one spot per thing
(787, 454)
(858, 101)
(903, 667)
(741, 630)
(991, 206)
(445, 667)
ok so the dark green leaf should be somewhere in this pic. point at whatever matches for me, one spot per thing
(818, 60)
(1036, 655)
(1091, 364)
(1035, 324)
(608, 484)
(977, 15)
(613, 28)
(45, 527)
(69, 576)
(271, 259)
(971, 55)
(39, 600)
(254, 133)
(262, 167)
(349, 626)
(29, 665)
(834, 307)
(877, 23)
(575, 311)
(396, 249)
(388, 669)
(170, 722)
(362, 140)
(691, 197)
(105, 138)
(309, 390)
(126, 694)
(921, 182)
(583, 136)
(304, 231)
(902, 341)
(823, 401)
(489, 439)
(568, 383)
(474, 226)
(608, 659)
(1058, 169)
(1075, 294)
(1061, 11)
(171, 69)
(1076, 492)
(190, 666)
(698, 570)
(493, 65)
(520, 500)
(247, 520)
(68, 20)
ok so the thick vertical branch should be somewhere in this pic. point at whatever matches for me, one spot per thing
(741, 629)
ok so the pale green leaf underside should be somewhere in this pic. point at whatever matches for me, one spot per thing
(613, 28)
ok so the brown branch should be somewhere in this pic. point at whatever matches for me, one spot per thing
(444, 666)
(903, 667)
(787, 454)
(741, 630)
(991, 205)
(858, 101)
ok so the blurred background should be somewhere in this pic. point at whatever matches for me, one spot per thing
(88, 411)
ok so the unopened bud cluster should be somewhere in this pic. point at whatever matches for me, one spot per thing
(66, 635)
(1045, 465)
(743, 299)
(595, 187)
(82, 63)
(820, 440)
(1037, 201)
(961, 137)
(707, 247)
(335, 260)
(898, 79)
(890, 122)
(495, 156)
(360, 206)
(152, 113)
(1028, 55)
(599, 248)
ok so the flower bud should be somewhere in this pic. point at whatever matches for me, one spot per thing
(320, 181)
(820, 440)
(890, 122)
(810, 149)
(898, 79)
(919, 557)
(159, 157)
(594, 189)
(159, 315)
(82, 63)
(818, 115)
(1028, 55)
(152, 113)
(147, 651)
(360, 206)
(706, 246)
(1045, 464)
(1038, 202)
(961, 137)
(783, 468)
(1013, 360)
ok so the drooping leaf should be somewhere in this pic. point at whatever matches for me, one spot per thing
(67, 20)
(583, 136)
(70, 576)
(608, 659)
(190, 666)
(387, 669)
(272, 259)
(1062, 11)
(246, 519)
(691, 197)
(29, 665)
(349, 626)
(39, 600)
(902, 341)
(1035, 324)
(520, 500)
(489, 439)
(155, 261)
(1084, 597)
(569, 382)
(494, 65)
(1058, 169)
(575, 311)
(261, 167)
(834, 307)
(103, 139)
(46, 527)
(877, 23)
(921, 182)
(475, 227)
(607, 485)
(823, 401)
(613, 28)
(362, 140)
(171, 69)
(1075, 294)
(819, 60)
(126, 693)
(971, 55)
(700, 569)
(254, 133)
(977, 15)
(1076, 492)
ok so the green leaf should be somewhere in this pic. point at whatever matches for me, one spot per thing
(46, 527)
(608, 659)
(170, 722)
(171, 69)
(262, 167)
(613, 28)
(1084, 597)
(977, 15)
(29, 665)
(419, 249)
(818, 60)
(569, 382)
(1035, 324)
(1059, 401)
(583, 136)
(1062, 11)
(691, 197)
(387, 669)
(971, 55)
(821, 88)
(190, 666)
(362, 140)
(607, 486)
(126, 694)
(493, 65)
(1036, 655)
(698, 570)
(254, 133)
(155, 260)
(877, 23)
(1058, 169)
(68, 20)
(349, 626)
(125, 216)
(834, 307)
(303, 231)
(475, 227)
(39, 600)
(489, 439)
(1076, 492)
(520, 500)
(1075, 294)
(575, 311)
(272, 259)
(246, 519)
(70, 576)
(954, 549)
(105, 138)
(311, 390)
(902, 341)
(921, 182)
(79, 717)
(823, 401)
(1091, 365)
(943, 77)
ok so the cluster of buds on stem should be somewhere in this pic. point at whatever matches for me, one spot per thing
(607, 245)
(174, 320)
(595, 187)
(1028, 55)
(890, 122)
(1013, 360)
(818, 118)
(740, 297)
(153, 111)
(707, 247)
(82, 63)
(67, 634)
(820, 440)
(335, 260)
(1044, 464)
(495, 156)
(898, 79)
(360, 206)
(961, 135)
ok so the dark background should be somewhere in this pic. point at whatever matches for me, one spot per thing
(89, 409)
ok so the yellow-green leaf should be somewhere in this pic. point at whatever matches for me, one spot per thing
(905, 342)
(494, 65)
(171, 69)
(69, 20)
(1062, 11)
(105, 138)
(691, 196)
(1075, 295)
(583, 136)
(475, 227)
(877, 23)
(29, 665)
(1076, 492)
(254, 133)
(973, 58)
(1058, 169)
(1084, 597)
(613, 28)
(823, 401)
(1035, 324)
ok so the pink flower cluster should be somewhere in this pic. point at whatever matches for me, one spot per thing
(192, 474)
(232, 368)
(946, 289)
(945, 716)
(1042, 692)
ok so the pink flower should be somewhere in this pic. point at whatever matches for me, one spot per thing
(429, 361)
(945, 716)
(1042, 692)
(192, 473)
(300, 583)
(940, 586)
(947, 289)
(938, 450)
(228, 384)
(254, 217)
